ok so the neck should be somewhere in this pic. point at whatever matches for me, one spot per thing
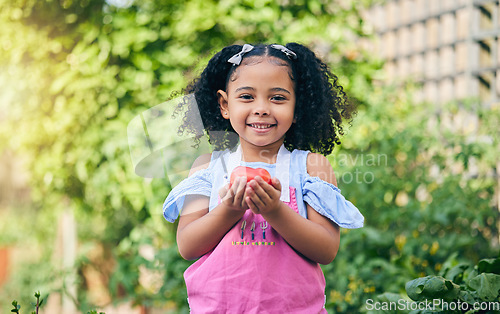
(267, 154)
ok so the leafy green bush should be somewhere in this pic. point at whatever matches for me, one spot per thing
(38, 304)
(472, 285)
(425, 190)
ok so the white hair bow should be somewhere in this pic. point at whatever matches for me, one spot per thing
(236, 59)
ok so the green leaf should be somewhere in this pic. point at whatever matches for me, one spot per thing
(486, 285)
(16, 307)
(432, 287)
(490, 265)
(456, 273)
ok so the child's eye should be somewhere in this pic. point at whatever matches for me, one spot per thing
(278, 98)
(246, 96)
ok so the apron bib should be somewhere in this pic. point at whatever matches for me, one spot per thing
(253, 269)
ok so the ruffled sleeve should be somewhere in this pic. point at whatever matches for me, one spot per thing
(326, 199)
(200, 183)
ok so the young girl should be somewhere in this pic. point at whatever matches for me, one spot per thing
(260, 244)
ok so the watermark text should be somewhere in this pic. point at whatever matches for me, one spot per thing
(434, 305)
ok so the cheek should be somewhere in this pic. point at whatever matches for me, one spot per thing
(237, 120)
(240, 113)
(287, 114)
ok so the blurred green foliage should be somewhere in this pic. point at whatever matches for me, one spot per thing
(73, 73)
(427, 190)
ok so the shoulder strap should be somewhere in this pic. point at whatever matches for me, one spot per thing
(299, 160)
(219, 165)
(283, 172)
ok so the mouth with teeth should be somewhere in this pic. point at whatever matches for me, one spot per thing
(261, 126)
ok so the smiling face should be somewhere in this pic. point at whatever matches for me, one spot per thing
(259, 102)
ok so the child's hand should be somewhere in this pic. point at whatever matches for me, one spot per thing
(233, 196)
(261, 197)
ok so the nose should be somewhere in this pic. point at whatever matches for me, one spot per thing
(261, 108)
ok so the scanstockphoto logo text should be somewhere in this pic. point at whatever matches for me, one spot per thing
(434, 305)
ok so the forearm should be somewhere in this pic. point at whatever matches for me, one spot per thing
(202, 234)
(307, 237)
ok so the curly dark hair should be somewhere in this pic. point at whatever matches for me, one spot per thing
(320, 109)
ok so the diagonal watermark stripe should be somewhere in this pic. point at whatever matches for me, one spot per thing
(158, 149)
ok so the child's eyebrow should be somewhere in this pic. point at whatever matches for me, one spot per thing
(279, 89)
(244, 88)
(274, 89)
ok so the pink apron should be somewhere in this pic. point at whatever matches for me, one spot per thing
(253, 270)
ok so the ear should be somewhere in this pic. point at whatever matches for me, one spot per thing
(223, 104)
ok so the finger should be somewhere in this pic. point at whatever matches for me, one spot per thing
(234, 185)
(251, 205)
(239, 191)
(231, 193)
(223, 190)
(258, 199)
(272, 190)
(276, 183)
(259, 189)
(269, 188)
(228, 198)
(244, 204)
(243, 201)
